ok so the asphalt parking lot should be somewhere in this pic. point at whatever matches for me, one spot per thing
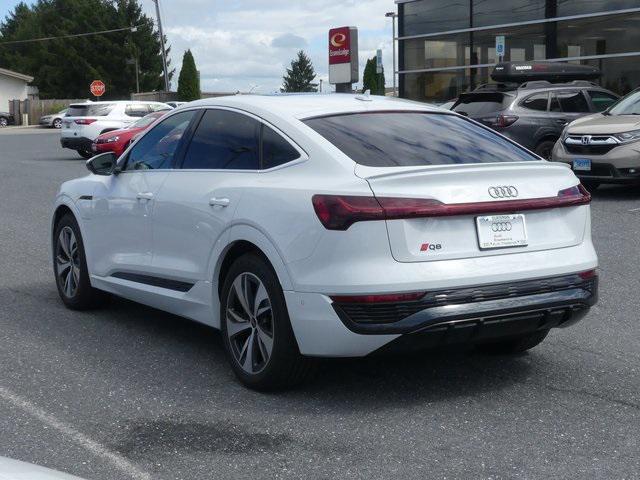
(131, 392)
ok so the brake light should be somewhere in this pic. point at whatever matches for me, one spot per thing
(387, 298)
(505, 120)
(340, 212)
(588, 275)
(85, 121)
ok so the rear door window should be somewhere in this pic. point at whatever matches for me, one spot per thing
(402, 139)
(601, 100)
(224, 140)
(275, 149)
(537, 102)
(90, 110)
(481, 103)
(572, 101)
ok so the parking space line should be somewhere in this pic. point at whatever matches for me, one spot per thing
(92, 446)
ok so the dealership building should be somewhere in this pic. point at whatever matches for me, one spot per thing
(446, 47)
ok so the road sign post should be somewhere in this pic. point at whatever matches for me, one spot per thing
(500, 48)
(97, 88)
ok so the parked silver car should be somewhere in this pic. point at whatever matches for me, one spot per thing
(53, 120)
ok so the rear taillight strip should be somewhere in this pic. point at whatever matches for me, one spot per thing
(339, 212)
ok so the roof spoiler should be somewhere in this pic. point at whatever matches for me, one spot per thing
(520, 72)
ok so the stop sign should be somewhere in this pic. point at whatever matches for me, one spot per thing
(97, 88)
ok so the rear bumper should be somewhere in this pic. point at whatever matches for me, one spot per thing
(442, 317)
(76, 143)
(550, 302)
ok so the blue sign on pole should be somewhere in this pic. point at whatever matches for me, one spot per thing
(500, 47)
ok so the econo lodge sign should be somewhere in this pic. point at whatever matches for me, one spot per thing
(343, 55)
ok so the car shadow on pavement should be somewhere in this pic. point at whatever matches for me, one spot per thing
(372, 383)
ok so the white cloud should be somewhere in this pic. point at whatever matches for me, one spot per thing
(247, 43)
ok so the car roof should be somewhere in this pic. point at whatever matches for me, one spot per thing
(313, 104)
(107, 102)
(534, 87)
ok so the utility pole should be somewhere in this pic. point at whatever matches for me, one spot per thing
(393, 16)
(164, 52)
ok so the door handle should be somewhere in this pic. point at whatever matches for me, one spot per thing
(562, 122)
(219, 202)
(144, 196)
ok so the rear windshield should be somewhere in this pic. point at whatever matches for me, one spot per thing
(480, 104)
(90, 110)
(403, 139)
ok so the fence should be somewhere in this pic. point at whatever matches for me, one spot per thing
(37, 108)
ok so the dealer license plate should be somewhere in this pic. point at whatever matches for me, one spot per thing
(501, 231)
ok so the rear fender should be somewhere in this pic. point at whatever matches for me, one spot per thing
(247, 233)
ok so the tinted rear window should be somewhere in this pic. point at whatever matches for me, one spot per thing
(101, 110)
(401, 139)
(480, 104)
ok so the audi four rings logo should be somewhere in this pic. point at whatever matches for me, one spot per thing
(501, 227)
(503, 192)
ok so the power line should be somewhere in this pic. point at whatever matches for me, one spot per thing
(44, 39)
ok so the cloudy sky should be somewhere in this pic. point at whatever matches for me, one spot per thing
(245, 44)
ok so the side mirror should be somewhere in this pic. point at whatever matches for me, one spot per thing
(103, 164)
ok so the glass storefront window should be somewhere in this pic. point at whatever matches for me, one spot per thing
(430, 16)
(599, 35)
(579, 7)
(498, 12)
(602, 35)
(522, 43)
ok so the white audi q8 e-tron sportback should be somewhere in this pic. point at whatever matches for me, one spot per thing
(336, 225)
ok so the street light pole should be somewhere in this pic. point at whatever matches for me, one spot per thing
(393, 16)
(164, 51)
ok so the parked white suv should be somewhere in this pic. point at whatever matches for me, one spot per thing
(330, 226)
(84, 122)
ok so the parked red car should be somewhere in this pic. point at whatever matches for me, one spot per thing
(117, 141)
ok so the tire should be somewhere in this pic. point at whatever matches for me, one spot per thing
(4, 121)
(57, 123)
(275, 361)
(85, 154)
(545, 148)
(72, 282)
(590, 185)
(515, 345)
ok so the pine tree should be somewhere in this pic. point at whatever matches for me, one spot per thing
(64, 68)
(371, 80)
(188, 82)
(370, 77)
(300, 75)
